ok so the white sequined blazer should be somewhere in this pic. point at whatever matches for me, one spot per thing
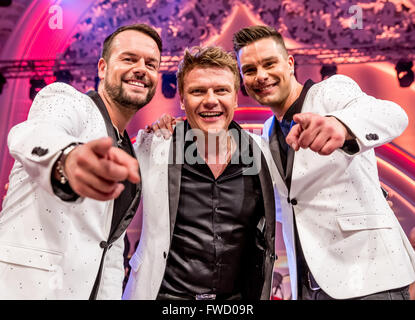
(352, 241)
(50, 249)
(160, 191)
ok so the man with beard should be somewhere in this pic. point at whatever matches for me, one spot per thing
(74, 185)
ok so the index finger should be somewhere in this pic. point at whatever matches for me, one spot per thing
(122, 158)
(293, 136)
(100, 146)
(303, 119)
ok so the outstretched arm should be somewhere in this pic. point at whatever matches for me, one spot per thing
(344, 112)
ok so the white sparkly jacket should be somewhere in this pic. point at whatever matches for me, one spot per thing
(160, 191)
(352, 241)
(50, 249)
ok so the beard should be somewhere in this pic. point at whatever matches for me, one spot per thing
(118, 94)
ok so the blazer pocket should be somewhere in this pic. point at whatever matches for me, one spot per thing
(30, 257)
(364, 222)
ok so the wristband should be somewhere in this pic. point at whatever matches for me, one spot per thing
(63, 179)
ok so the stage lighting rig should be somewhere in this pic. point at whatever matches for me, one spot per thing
(404, 72)
(63, 76)
(169, 85)
(36, 84)
(5, 3)
(327, 70)
(3, 81)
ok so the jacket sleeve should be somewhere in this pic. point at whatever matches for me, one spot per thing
(56, 118)
(372, 121)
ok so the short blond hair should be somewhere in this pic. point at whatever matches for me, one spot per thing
(206, 57)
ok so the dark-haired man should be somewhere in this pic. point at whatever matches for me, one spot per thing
(73, 188)
(339, 231)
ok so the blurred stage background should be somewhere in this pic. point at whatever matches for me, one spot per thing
(371, 41)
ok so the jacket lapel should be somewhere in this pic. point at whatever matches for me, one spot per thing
(176, 157)
(266, 225)
(104, 112)
(274, 145)
(290, 162)
(275, 148)
(132, 209)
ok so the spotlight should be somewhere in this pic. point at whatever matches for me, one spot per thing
(36, 85)
(5, 3)
(169, 85)
(327, 70)
(3, 81)
(404, 73)
(63, 76)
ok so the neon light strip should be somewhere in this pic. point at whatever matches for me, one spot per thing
(250, 126)
(390, 148)
(396, 171)
(256, 109)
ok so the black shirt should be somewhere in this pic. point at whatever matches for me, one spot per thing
(122, 203)
(216, 221)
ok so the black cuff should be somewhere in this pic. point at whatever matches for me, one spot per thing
(64, 191)
(350, 147)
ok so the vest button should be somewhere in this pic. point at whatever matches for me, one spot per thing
(103, 244)
(293, 202)
(164, 254)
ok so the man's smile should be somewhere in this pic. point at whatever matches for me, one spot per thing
(264, 89)
(136, 83)
(211, 116)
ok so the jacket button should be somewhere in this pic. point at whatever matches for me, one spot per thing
(103, 244)
(164, 254)
(369, 137)
(293, 202)
(375, 136)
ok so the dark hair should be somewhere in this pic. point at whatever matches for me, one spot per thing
(206, 57)
(140, 27)
(251, 34)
